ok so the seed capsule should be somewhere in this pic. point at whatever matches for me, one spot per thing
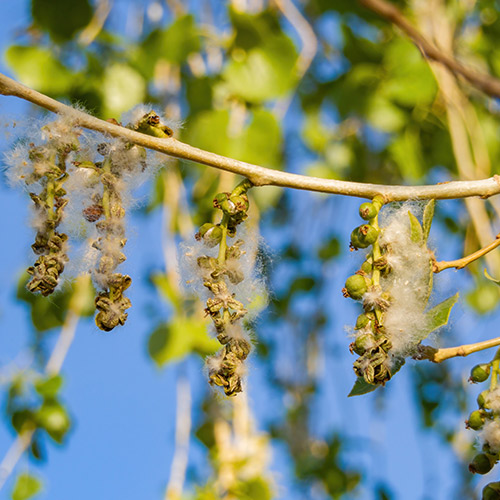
(481, 464)
(481, 399)
(362, 321)
(368, 211)
(355, 287)
(364, 236)
(491, 491)
(363, 343)
(475, 420)
(479, 373)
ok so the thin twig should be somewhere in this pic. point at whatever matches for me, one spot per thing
(486, 83)
(53, 367)
(439, 355)
(259, 176)
(307, 52)
(182, 433)
(92, 30)
(465, 261)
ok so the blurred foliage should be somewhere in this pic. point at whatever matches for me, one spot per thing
(367, 109)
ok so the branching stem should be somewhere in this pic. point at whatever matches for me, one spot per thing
(486, 83)
(465, 261)
(440, 355)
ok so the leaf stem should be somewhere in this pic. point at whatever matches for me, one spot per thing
(221, 258)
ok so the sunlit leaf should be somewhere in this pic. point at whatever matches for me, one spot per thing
(438, 316)
(122, 88)
(49, 387)
(37, 67)
(27, 486)
(179, 338)
(427, 218)
(416, 232)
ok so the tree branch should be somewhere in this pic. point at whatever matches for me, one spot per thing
(439, 355)
(259, 176)
(486, 83)
(465, 261)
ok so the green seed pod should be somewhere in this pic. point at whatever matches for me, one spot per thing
(481, 464)
(355, 241)
(479, 373)
(355, 287)
(362, 321)
(475, 421)
(364, 236)
(366, 267)
(211, 234)
(491, 491)
(368, 211)
(481, 399)
(363, 343)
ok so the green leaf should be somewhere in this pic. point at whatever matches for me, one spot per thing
(37, 67)
(259, 142)
(179, 338)
(406, 151)
(488, 276)
(484, 298)
(428, 216)
(360, 387)
(438, 316)
(60, 18)
(417, 234)
(53, 417)
(122, 88)
(169, 292)
(26, 487)
(263, 58)
(49, 387)
(173, 44)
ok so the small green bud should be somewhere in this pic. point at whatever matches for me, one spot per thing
(475, 420)
(479, 373)
(481, 464)
(362, 321)
(355, 287)
(366, 267)
(368, 211)
(363, 343)
(481, 399)
(491, 491)
(211, 234)
(364, 236)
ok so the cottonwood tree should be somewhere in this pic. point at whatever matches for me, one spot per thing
(253, 103)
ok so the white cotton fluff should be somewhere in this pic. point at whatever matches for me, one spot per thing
(490, 434)
(407, 283)
(251, 292)
(492, 400)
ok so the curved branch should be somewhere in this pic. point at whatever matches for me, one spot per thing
(259, 176)
(465, 261)
(440, 355)
(486, 83)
